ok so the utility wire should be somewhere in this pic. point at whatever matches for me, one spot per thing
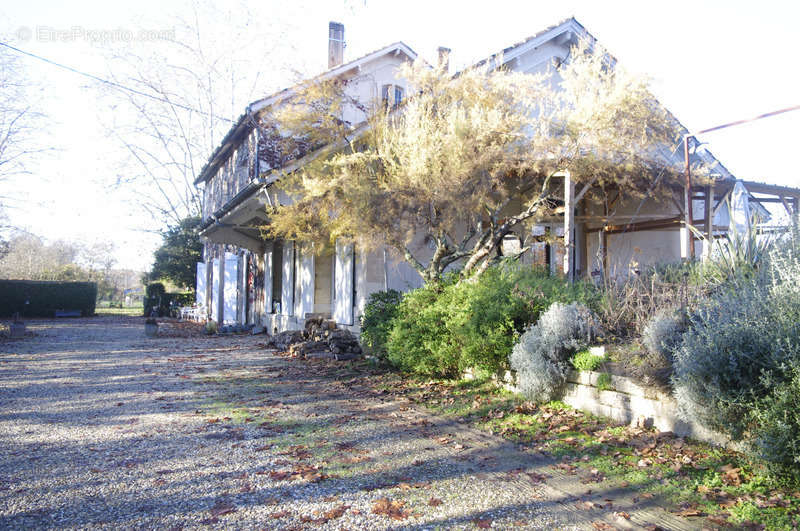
(114, 83)
(710, 129)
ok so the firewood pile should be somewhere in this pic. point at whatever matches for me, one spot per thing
(320, 339)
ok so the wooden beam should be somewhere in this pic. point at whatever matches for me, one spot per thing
(585, 189)
(786, 206)
(616, 229)
(721, 202)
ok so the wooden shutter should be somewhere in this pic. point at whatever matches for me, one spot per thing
(200, 285)
(215, 290)
(230, 288)
(343, 288)
(287, 284)
(268, 281)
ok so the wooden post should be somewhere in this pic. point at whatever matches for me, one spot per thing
(569, 226)
(604, 239)
(709, 212)
(687, 204)
(686, 234)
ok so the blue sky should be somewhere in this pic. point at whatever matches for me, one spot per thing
(710, 63)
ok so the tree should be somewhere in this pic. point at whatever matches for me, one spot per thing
(19, 118)
(191, 87)
(473, 157)
(180, 250)
(29, 257)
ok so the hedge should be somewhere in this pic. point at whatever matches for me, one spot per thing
(157, 298)
(45, 297)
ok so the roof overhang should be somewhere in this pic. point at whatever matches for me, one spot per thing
(241, 225)
(245, 123)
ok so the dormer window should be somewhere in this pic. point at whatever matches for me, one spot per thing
(392, 95)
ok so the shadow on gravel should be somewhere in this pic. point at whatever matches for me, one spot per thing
(263, 387)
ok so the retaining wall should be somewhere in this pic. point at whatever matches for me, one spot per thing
(628, 402)
(625, 401)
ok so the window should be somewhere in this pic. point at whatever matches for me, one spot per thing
(392, 95)
(398, 95)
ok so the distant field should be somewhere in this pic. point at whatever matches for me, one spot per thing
(131, 310)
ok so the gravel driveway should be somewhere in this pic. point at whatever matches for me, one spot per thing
(103, 427)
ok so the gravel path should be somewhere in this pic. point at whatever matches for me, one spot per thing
(102, 427)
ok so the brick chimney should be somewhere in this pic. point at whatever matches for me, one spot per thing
(335, 44)
(444, 58)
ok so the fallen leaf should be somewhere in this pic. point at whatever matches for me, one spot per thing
(222, 508)
(482, 524)
(279, 514)
(392, 509)
(336, 512)
(435, 502)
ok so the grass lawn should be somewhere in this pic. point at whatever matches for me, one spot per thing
(128, 311)
(695, 478)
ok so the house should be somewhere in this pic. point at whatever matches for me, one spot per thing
(249, 280)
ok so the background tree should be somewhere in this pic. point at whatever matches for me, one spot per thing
(470, 158)
(19, 118)
(192, 86)
(177, 257)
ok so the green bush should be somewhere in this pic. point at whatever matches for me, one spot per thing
(377, 320)
(586, 361)
(444, 330)
(156, 298)
(417, 341)
(737, 369)
(44, 297)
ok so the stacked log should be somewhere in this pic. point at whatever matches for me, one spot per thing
(320, 339)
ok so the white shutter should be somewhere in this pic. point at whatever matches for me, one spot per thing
(229, 287)
(200, 285)
(268, 281)
(305, 268)
(287, 289)
(243, 291)
(215, 290)
(343, 288)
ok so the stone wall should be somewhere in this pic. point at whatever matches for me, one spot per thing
(625, 401)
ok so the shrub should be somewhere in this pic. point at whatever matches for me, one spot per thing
(662, 333)
(540, 357)
(34, 298)
(377, 320)
(417, 342)
(628, 304)
(474, 323)
(737, 369)
(604, 381)
(586, 361)
(661, 336)
(158, 301)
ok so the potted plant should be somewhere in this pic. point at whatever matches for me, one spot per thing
(17, 327)
(151, 327)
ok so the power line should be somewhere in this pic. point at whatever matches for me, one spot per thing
(748, 120)
(114, 83)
